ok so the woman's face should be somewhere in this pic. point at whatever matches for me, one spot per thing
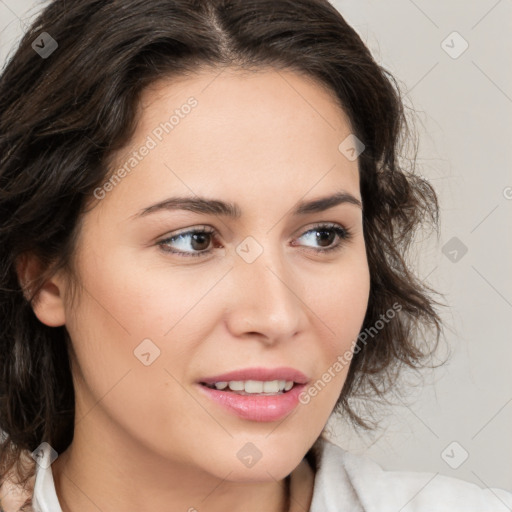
(251, 291)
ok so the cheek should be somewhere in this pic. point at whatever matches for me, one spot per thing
(136, 301)
(340, 305)
(122, 350)
(142, 319)
(342, 300)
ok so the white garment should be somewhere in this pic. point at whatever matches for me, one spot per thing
(346, 482)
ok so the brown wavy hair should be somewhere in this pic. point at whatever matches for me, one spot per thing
(61, 117)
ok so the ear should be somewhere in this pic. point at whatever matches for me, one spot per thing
(48, 305)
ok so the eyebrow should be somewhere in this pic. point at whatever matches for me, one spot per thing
(232, 210)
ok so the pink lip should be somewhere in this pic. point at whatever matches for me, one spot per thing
(260, 373)
(257, 407)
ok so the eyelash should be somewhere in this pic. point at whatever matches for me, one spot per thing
(343, 233)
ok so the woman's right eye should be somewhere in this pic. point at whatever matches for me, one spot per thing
(198, 239)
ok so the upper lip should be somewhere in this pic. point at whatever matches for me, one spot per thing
(260, 373)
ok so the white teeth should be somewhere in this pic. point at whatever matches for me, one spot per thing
(271, 386)
(256, 386)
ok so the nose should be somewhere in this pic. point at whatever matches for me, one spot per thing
(265, 299)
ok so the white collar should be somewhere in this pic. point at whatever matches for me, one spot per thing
(44, 498)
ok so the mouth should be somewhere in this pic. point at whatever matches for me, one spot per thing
(253, 387)
(256, 394)
(256, 381)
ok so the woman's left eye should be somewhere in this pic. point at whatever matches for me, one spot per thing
(199, 240)
(317, 235)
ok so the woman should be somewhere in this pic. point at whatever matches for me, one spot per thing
(202, 214)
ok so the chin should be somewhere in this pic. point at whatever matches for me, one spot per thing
(258, 460)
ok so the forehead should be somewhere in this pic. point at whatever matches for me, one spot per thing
(287, 86)
(219, 131)
(266, 104)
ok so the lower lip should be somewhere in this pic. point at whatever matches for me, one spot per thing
(257, 407)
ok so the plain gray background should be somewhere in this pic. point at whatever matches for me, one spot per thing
(463, 104)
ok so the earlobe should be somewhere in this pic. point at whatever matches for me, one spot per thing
(48, 305)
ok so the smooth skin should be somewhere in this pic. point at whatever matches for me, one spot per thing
(146, 437)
